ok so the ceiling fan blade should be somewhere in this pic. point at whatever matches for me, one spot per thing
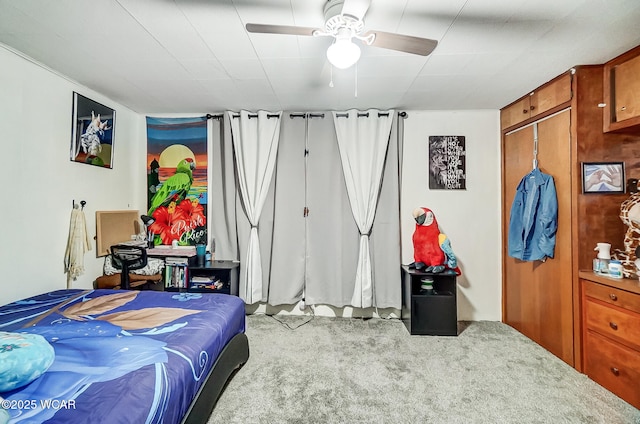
(356, 8)
(403, 43)
(280, 29)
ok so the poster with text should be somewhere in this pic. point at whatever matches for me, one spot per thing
(177, 179)
(447, 162)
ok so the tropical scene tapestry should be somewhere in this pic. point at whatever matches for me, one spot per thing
(177, 179)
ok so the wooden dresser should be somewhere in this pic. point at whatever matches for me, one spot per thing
(611, 333)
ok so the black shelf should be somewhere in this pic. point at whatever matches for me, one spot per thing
(429, 313)
(225, 272)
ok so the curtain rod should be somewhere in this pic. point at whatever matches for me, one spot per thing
(255, 115)
(305, 115)
(310, 115)
(360, 114)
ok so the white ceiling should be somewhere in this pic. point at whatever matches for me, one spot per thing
(183, 56)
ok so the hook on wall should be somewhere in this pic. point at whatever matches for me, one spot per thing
(75, 206)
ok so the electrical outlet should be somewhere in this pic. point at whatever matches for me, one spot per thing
(632, 185)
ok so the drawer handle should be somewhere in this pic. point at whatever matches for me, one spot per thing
(612, 296)
(613, 325)
(525, 111)
(615, 371)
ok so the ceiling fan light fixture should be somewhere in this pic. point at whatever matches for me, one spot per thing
(343, 53)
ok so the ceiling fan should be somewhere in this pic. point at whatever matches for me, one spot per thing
(344, 21)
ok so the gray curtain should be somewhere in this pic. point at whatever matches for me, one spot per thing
(363, 140)
(332, 234)
(255, 143)
(313, 257)
(222, 191)
(288, 248)
(385, 242)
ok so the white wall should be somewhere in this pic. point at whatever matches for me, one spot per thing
(39, 182)
(471, 217)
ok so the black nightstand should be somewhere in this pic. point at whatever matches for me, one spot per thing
(429, 314)
(213, 277)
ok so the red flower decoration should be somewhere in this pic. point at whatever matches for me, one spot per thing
(194, 211)
(168, 226)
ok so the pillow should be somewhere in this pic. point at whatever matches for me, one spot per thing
(4, 415)
(23, 358)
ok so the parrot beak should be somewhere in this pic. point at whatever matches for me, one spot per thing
(419, 215)
(423, 217)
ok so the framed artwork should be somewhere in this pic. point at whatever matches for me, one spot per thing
(603, 177)
(93, 128)
(447, 162)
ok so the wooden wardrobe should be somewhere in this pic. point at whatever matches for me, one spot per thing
(542, 299)
(537, 296)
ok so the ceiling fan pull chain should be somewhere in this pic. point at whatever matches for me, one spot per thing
(356, 81)
(331, 78)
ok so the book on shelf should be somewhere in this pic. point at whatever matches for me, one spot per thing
(176, 276)
(176, 260)
(206, 282)
(202, 279)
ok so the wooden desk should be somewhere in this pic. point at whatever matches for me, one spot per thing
(164, 251)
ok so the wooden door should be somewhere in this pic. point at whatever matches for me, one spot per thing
(538, 296)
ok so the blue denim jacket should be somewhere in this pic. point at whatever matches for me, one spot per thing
(534, 218)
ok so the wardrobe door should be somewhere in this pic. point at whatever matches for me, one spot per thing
(537, 296)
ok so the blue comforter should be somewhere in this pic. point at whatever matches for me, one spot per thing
(120, 356)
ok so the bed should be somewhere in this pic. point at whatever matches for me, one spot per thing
(126, 356)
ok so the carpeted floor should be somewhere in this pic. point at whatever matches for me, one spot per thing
(341, 370)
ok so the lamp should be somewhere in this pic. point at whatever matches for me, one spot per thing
(343, 53)
(147, 221)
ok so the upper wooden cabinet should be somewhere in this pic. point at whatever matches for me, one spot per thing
(516, 112)
(622, 93)
(545, 98)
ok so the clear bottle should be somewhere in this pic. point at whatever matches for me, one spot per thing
(601, 266)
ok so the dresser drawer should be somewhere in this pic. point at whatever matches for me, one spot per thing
(613, 322)
(615, 367)
(612, 296)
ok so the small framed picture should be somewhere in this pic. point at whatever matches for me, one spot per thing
(603, 177)
(92, 132)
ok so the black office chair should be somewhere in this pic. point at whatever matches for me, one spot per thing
(128, 258)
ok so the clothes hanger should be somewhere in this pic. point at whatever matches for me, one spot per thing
(535, 146)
